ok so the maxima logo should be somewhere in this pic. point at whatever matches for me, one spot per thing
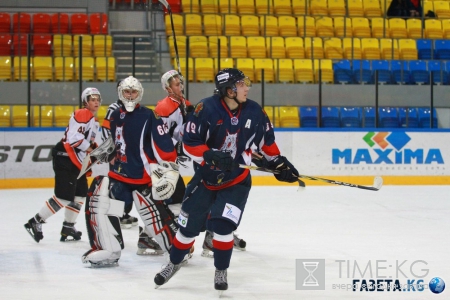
(387, 148)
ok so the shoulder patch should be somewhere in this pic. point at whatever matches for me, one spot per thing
(166, 107)
(83, 115)
(198, 108)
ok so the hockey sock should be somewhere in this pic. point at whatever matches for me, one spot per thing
(73, 209)
(180, 247)
(223, 248)
(51, 207)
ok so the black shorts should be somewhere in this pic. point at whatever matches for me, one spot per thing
(66, 184)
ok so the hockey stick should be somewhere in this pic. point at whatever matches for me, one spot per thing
(377, 183)
(169, 9)
(100, 153)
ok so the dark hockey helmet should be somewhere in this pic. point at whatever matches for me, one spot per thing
(227, 78)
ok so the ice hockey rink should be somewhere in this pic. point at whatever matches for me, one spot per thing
(404, 226)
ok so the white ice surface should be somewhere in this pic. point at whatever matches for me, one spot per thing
(280, 225)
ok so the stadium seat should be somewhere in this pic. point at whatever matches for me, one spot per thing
(372, 8)
(442, 49)
(419, 72)
(433, 29)
(43, 68)
(265, 64)
(21, 23)
(62, 115)
(333, 48)
(370, 48)
(198, 45)
(88, 67)
(294, 47)
(352, 48)
(398, 29)
(336, 8)
(330, 117)
(303, 70)
(275, 47)
(408, 49)
(264, 7)
(318, 7)
(42, 23)
(389, 49)
(256, 47)
(193, 24)
(314, 47)
(442, 9)
(425, 116)
(212, 24)
(324, 27)
(224, 63)
(287, 26)
(383, 69)
(232, 25)
(284, 70)
(42, 45)
(5, 22)
(62, 45)
(408, 117)
(46, 116)
(268, 25)
(308, 116)
(20, 67)
(20, 44)
(249, 25)
(415, 29)
(86, 45)
(380, 28)
(5, 44)
(246, 65)
(102, 45)
(355, 8)
(273, 114)
(238, 46)
(5, 68)
(79, 23)
(350, 117)
(227, 6)
(98, 23)
(5, 116)
(425, 49)
(213, 44)
(323, 70)
(343, 27)
(362, 71)
(388, 117)
(60, 23)
(282, 7)
(106, 68)
(306, 26)
(101, 114)
(184, 68)
(400, 72)
(178, 26)
(361, 27)
(439, 71)
(181, 44)
(289, 117)
(299, 7)
(368, 117)
(20, 116)
(209, 7)
(190, 6)
(204, 69)
(446, 28)
(342, 71)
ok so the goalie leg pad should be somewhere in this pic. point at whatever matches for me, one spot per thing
(104, 230)
(158, 219)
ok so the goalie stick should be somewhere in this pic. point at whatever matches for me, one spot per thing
(100, 153)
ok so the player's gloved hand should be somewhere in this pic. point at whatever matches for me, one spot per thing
(221, 160)
(259, 160)
(288, 172)
(182, 158)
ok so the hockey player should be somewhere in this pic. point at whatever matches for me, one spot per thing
(219, 136)
(144, 172)
(68, 155)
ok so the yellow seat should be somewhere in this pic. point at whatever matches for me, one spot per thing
(442, 9)
(389, 49)
(62, 45)
(101, 114)
(408, 49)
(246, 65)
(299, 7)
(284, 70)
(62, 115)
(265, 64)
(343, 27)
(289, 117)
(415, 30)
(5, 116)
(380, 28)
(273, 114)
(433, 29)
(213, 44)
(397, 28)
(319, 7)
(46, 116)
(370, 48)
(361, 27)
(152, 107)
(352, 48)
(282, 7)
(326, 70)
(336, 8)
(249, 25)
(88, 67)
(232, 25)
(245, 7)
(372, 8)
(43, 68)
(264, 7)
(294, 47)
(238, 46)
(224, 63)
(212, 24)
(20, 67)
(275, 47)
(86, 45)
(324, 27)
(256, 46)
(227, 6)
(106, 68)
(313, 47)
(209, 6)
(181, 45)
(177, 24)
(333, 48)
(446, 28)
(5, 68)
(183, 67)
(190, 6)
(102, 45)
(355, 8)
(64, 68)
(306, 26)
(20, 116)
(204, 69)
(303, 70)
(193, 24)
(287, 26)
(268, 25)
(198, 46)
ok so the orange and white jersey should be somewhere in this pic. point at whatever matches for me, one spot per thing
(170, 112)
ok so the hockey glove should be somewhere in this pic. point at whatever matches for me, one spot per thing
(182, 158)
(288, 172)
(221, 160)
(164, 179)
(259, 160)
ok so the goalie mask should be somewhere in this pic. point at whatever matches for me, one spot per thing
(89, 93)
(167, 78)
(130, 92)
(228, 78)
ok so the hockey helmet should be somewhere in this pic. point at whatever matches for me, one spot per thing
(165, 79)
(127, 87)
(90, 92)
(227, 78)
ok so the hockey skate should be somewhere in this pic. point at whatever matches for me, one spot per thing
(100, 263)
(34, 228)
(127, 221)
(69, 233)
(238, 243)
(147, 245)
(220, 281)
(162, 277)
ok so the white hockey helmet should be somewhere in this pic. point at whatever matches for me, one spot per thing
(131, 84)
(165, 79)
(90, 91)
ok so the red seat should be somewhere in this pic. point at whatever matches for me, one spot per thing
(21, 23)
(5, 23)
(79, 24)
(42, 45)
(98, 23)
(5, 44)
(20, 44)
(60, 23)
(41, 23)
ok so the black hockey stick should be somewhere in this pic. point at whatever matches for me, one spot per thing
(169, 9)
(377, 183)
